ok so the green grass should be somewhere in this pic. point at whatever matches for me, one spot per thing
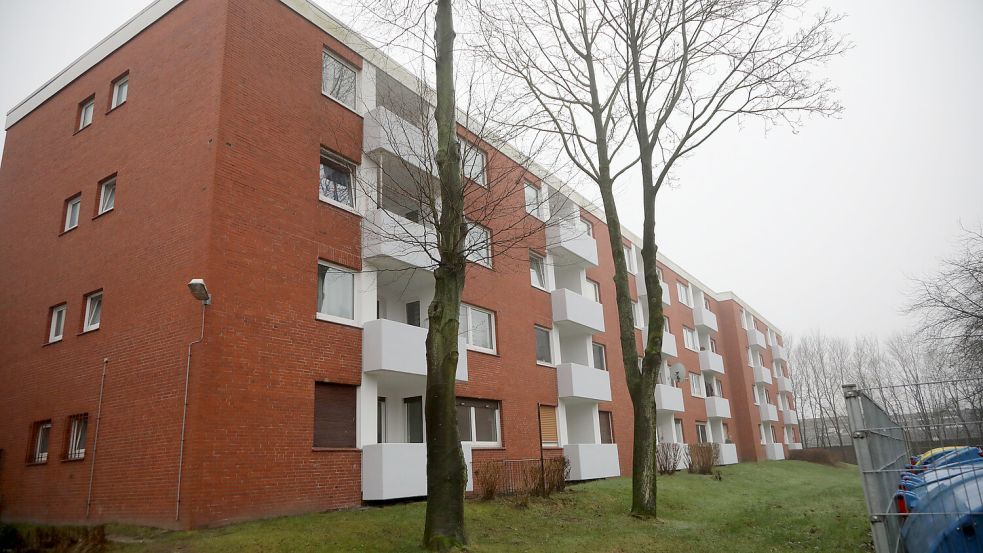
(763, 507)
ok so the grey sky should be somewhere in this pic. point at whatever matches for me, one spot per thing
(816, 230)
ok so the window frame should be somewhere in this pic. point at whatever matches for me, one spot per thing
(326, 53)
(52, 314)
(87, 326)
(467, 307)
(637, 314)
(470, 148)
(677, 424)
(34, 454)
(123, 80)
(76, 201)
(690, 337)
(476, 444)
(328, 317)
(601, 416)
(86, 106)
(594, 348)
(705, 438)
(339, 163)
(77, 424)
(486, 259)
(537, 331)
(629, 250)
(684, 293)
(697, 388)
(556, 425)
(540, 208)
(101, 205)
(595, 288)
(541, 260)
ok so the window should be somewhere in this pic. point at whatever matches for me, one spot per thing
(86, 109)
(708, 387)
(726, 432)
(93, 311)
(750, 357)
(658, 273)
(636, 311)
(473, 162)
(689, 339)
(338, 80)
(56, 328)
(547, 425)
(120, 88)
(665, 325)
(380, 420)
(477, 244)
(544, 348)
(754, 392)
(478, 327)
(107, 195)
(478, 421)
(588, 227)
(334, 415)
(600, 362)
(77, 425)
(629, 258)
(701, 433)
(684, 294)
(537, 270)
(72, 208)
(696, 385)
(706, 302)
(743, 319)
(414, 419)
(413, 313)
(336, 181)
(607, 427)
(38, 452)
(761, 432)
(335, 293)
(536, 204)
(718, 387)
(678, 425)
(767, 396)
(713, 345)
(594, 291)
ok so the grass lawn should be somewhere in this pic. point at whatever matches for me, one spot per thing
(763, 507)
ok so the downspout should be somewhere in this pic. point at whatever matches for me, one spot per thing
(95, 439)
(184, 414)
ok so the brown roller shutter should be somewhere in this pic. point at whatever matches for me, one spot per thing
(334, 415)
(547, 424)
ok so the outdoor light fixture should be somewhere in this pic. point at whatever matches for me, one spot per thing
(199, 290)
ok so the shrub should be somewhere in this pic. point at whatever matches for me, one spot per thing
(488, 478)
(703, 457)
(668, 457)
(814, 455)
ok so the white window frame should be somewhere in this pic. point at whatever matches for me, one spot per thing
(75, 452)
(56, 328)
(750, 357)
(629, 250)
(743, 319)
(42, 429)
(690, 339)
(109, 183)
(685, 294)
(89, 302)
(469, 148)
(498, 429)
(465, 328)
(481, 257)
(73, 206)
(344, 65)
(637, 314)
(761, 430)
(88, 108)
(328, 317)
(594, 348)
(538, 207)
(677, 429)
(754, 392)
(122, 83)
(595, 290)
(549, 339)
(588, 227)
(352, 174)
(697, 388)
(705, 439)
(533, 259)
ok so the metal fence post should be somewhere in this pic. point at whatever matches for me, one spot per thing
(865, 463)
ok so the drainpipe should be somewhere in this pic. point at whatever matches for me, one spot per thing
(184, 414)
(95, 439)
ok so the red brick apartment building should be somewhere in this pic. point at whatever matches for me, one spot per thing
(189, 144)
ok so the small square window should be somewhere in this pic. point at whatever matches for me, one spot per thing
(537, 270)
(56, 329)
(86, 109)
(544, 346)
(40, 434)
(338, 80)
(107, 195)
(337, 178)
(72, 208)
(93, 312)
(77, 426)
(120, 88)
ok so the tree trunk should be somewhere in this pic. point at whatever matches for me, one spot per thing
(446, 470)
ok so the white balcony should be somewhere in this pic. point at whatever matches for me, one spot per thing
(728, 454)
(774, 452)
(711, 362)
(387, 132)
(394, 242)
(668, 398)
(592, 461)
(769, 413)
(704, 318)
(718, 408)
(642, 291)
(395, 347)
(571, 311)
(393, 470)
(668, 344)
(790, 417)
(756, 339)
(762, 375)
(570, 243)
(778, 352)
(582, 382)
(795, 445)
(784, 384)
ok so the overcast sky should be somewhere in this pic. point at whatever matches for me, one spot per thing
(822, 229)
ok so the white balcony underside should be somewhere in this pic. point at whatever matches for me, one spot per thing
(576, 381)
(570, 243)
(769, 413)
(756, 339)
(774, 452)
(711, 362)
(573, 312)
(718, 408)
(704, 318)
(395, 470)
(385, 131)
(592, 461)
(668, 398)
(394, 242)
(394, 347)
(762, 375)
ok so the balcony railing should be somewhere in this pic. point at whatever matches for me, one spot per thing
(395, 347)
(795, 445)
(571, 311)
(570, 243)
(704, 318)
(669, 344)
(385, 131)
(762, 375)
(668, 398)
(711, 362)
(591, 461)
(396, 470)
(728, 454)
(769, 413)
(778, 352)
(580, 381)
(784, 384)
(392, 241)
(790, 417)
(718, 408)
(774, 452)
(756, 339)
